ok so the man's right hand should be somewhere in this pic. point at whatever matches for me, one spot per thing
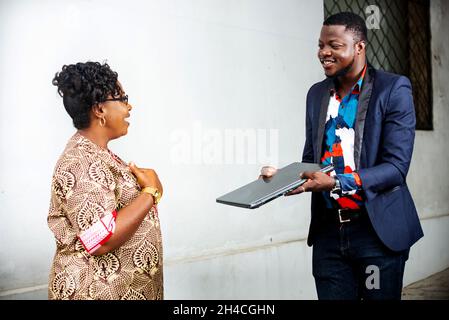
(267, 172)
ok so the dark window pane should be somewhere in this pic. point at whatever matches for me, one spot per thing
(420, 71)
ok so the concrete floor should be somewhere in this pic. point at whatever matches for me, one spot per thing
(435, 287)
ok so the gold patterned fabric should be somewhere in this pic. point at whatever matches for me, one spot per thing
(88, 183)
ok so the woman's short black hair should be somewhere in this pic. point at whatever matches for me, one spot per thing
(351, 21)
(83, 85)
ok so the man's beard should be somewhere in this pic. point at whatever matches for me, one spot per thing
(343, 71)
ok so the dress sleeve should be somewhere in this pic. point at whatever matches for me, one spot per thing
(83, 202)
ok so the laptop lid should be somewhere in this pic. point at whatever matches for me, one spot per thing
(263, 190)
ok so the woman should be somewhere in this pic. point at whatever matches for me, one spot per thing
(103, 212)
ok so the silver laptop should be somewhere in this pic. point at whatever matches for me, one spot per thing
(263, 190)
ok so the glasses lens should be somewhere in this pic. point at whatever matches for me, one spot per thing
(123, 99)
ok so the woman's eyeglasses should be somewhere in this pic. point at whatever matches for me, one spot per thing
(122, 99)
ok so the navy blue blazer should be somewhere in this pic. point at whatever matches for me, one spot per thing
(383, 146)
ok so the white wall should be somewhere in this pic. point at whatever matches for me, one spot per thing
(194, 70)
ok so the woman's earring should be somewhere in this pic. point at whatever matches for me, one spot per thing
(102, 121)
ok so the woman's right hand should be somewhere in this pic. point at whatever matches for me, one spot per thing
(146, 177)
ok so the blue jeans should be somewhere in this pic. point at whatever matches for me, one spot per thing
(351, 263)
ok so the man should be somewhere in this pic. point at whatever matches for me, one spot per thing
(362, 121)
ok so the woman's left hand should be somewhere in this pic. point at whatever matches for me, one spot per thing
(159, 184)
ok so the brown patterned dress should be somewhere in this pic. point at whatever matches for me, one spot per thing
(88, 183)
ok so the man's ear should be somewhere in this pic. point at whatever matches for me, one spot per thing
(360, 47)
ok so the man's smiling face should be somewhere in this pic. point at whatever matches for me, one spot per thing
(336, 50)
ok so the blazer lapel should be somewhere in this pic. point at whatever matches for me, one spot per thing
(362, 108)
(325, 96)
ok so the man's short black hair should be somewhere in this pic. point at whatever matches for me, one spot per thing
(83, 85)
(351, 21)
